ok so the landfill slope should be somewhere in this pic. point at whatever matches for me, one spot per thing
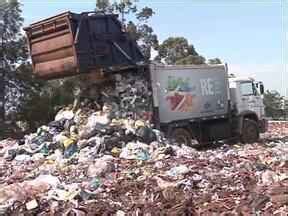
(101, 156)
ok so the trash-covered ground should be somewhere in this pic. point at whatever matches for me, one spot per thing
(141, 179)
(102, 157)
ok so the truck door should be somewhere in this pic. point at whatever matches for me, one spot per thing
(250, 99)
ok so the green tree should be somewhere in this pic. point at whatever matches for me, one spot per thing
(191, 59)
(103, 5)
(48, 98)
(12, 52)
(273, 104)
(17, 82)
(214, 61)
(19, 86)
(285, 107)
(177, 50)
(137, 25)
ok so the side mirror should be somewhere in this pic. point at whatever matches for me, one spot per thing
(261, 89)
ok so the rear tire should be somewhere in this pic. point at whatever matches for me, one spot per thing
(250, 131)
(183, 136)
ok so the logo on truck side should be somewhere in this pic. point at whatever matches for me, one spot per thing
(180, 94)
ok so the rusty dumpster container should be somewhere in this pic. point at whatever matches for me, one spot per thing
(68, 44)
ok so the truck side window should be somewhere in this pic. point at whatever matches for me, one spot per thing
(255, 91)
(246, 88)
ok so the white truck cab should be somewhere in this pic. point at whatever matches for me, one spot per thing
(247, 97)
(247, 101)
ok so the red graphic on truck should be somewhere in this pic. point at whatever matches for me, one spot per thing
(179, 95)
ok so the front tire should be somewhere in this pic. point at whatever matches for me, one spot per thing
(250, 131)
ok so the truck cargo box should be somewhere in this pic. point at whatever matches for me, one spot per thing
(70, 43)
(190, 92)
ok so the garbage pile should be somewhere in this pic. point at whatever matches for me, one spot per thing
(277, 131)
(103, 157)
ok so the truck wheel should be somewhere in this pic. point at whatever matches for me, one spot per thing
(250, 132)
(181, 136)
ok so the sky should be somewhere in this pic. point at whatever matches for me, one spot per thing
(250, 36)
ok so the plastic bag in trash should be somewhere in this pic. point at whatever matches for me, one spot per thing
(135, 151)
(95, 183)
(31, 204)
(10, 154)
(70, 150)
(69, 141)
(64, 114)
(178, 171)
(98, 119)
(101, 166)
(22, 158)
(146, 134)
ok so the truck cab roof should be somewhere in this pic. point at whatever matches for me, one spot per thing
(242, 79)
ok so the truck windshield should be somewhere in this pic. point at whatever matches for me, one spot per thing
(247, 88)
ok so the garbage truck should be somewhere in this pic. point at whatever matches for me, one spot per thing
(191, 104)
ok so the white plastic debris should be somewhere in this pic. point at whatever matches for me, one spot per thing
(53, 181)
(135, 151)
(31, 204)
(177, 171)
(101, 166)
(64, 114)
(98, 119)
(22, 158)
(120, 213)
